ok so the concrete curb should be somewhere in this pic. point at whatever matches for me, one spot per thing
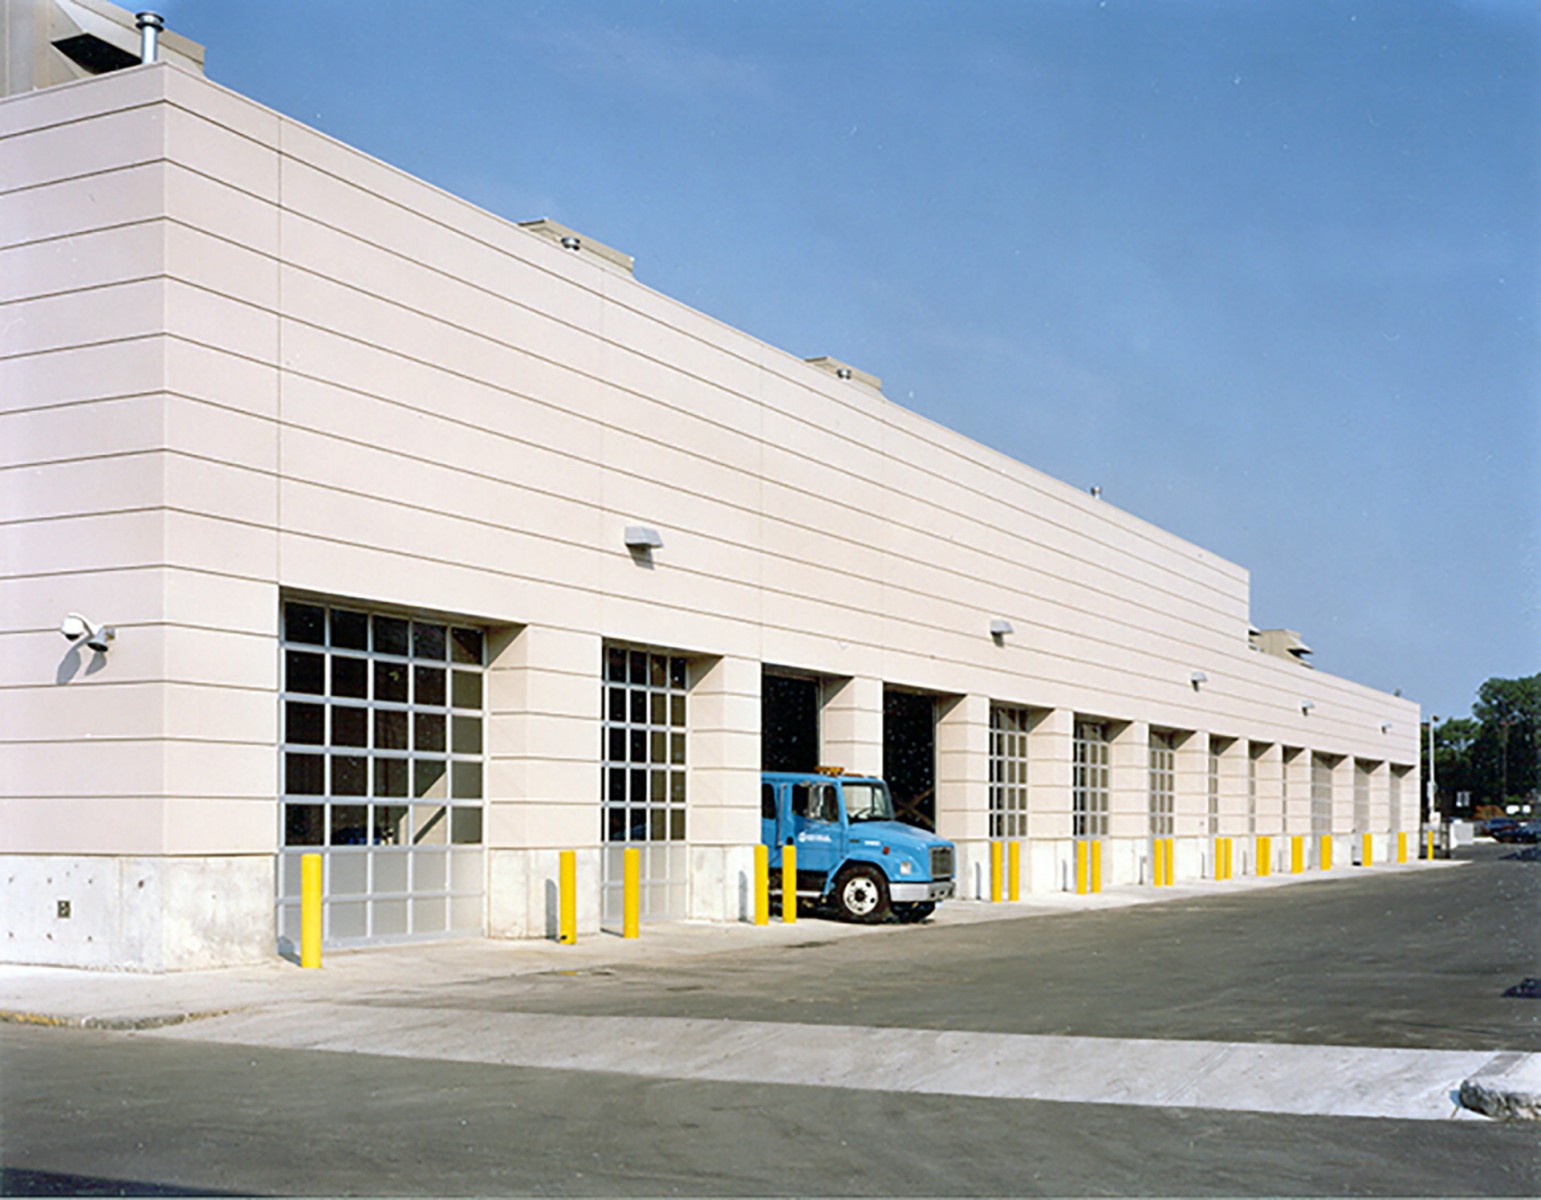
(1507, 1089)
(155, 1021)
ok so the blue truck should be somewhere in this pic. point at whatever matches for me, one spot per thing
(852, 855)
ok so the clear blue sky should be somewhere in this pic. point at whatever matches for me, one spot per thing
(1264, 270)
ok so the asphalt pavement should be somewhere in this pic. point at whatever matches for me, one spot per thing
(1302, 1035)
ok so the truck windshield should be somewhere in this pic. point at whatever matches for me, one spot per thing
(868, 802)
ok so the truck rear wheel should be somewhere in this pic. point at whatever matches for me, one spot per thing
(861, 895)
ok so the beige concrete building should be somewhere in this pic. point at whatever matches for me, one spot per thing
(438, 544)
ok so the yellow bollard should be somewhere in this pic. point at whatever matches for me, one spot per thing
(1168, 854)
(1297, 854)
(1428, 845)
(1265, 855)
(1157, 864)
(631, 894)
(310, 910)
(567, 898)
(995, 872)
(1013, 871)
(789, 885)
(1324, 860)
(1080, 868)
(1096, 866)
(762, 885)
(1401, 847)
(1366, 851)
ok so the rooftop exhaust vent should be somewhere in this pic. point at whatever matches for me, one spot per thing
(48, 42)
(1281, 643)
(583, 247)
(846, 373)
(149, 25)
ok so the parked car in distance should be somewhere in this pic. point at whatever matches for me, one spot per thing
(1495, 827)
(1529, 833)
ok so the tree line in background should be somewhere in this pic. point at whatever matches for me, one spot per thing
(1493, 756)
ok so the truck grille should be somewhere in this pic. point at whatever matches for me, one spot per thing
(941, 862)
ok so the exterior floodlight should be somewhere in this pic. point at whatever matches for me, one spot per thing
(74, 627)
(1198, 679)
(1306, 706)
(642, 537)
(1000, 628)
(572, 243)
(1385, 726)
(1096, 492)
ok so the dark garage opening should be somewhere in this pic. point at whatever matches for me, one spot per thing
(789, 723)
(909, 755)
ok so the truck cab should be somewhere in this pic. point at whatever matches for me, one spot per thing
(852, 855)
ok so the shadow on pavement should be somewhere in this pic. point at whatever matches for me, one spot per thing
(17, 1181)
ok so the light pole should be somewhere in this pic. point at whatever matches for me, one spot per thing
(1433, 789)
(1503, 750)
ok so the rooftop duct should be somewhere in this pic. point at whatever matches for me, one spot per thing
(584, 247)
(846, 372)
(149, 25)
(1281, 643)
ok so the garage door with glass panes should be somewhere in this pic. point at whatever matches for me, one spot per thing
(383, 731)
(644, 779)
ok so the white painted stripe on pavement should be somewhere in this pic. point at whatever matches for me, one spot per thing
(1350, 1081)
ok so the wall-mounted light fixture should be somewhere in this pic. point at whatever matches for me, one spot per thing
(1096, 491)
(572, 243)
(1000, 627)
(1385, 726)
(1306, 706)
(642, 537)
(1198, 679)
(77, 628)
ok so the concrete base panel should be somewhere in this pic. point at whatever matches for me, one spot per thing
(973, 870)
(722, 883)
(523, 897)
(137, 913)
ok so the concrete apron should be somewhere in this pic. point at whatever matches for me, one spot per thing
(275, 1003)
(1246, 1077)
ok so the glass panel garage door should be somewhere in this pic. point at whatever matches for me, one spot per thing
(1163, 783)
(1090, 791)
(645, 779)
(1321, 794)
(1362, 778)
(1008, 771)
(383, 743)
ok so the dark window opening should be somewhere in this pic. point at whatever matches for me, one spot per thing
(909, 755)
(789, 723)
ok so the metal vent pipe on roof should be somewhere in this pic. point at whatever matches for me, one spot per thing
(149, 25)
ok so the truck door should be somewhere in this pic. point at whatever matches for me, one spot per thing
(816, 830)
(771, 802)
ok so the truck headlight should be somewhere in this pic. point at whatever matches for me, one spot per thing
(906, 868)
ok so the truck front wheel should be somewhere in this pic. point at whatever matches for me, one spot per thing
(861, 895)
(913, 913)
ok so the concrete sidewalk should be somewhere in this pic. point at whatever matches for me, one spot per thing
(122, 1000)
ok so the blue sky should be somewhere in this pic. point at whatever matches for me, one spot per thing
(1266, 272)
